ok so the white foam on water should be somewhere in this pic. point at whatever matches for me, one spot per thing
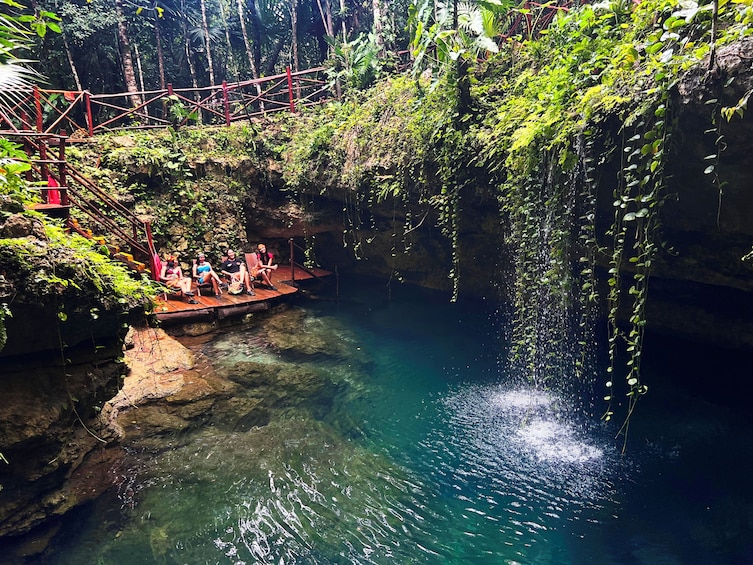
(520, 398)
(524, 433)
(553, 441)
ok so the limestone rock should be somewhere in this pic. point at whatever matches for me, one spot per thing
(21, 225)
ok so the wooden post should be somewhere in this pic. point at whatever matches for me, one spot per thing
(29, 149)
(87, 98)
(62, 170)
(38, 106)
(290, 90)
(153, 257)
(292, 260)
(43, 166)
(226, 103)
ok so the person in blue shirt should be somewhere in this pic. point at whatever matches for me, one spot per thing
(204, 274)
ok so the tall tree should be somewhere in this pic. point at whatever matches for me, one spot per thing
(379, 21)
(253, 10)
(160, 54)
(246, 42)
(184, 22)
(129, 74)
(158, 12)
(325, 11)
(71, 62)
(232, 66)
(294, 33)
(207, 41)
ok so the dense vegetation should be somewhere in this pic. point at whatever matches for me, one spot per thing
(545, 122)
(537, 121)
(117, 46)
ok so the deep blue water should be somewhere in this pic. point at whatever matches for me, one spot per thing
(421, 448)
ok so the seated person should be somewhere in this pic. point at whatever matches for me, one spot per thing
(234, 269)
(204, 274)
(264, 266)
(172, 275)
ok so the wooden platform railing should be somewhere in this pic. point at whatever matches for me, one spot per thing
(48, 173)
(294, 264)
(84, 113)
(62, 187)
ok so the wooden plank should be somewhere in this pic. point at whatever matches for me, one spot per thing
(240, 309)
(207, 308)
(284, 273)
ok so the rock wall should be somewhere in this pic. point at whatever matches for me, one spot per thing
(50, 426)
(700, 289)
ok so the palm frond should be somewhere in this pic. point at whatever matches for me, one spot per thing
(16, 76)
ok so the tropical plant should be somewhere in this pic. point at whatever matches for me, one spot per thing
(354, 64)
(16, 33)
(443, 34)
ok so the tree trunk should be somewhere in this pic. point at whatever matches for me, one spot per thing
(144, 109)
(256, 33)
(376, 6)
(274, 55)
(129, 75)
(205, 25)
(191, 67)
(230, 59)
(294, 30)
(246, 42)
(140, 71)
(249, 54)
(187, 46)
(325, 11)
(68, 54)
(343, 12)
(160, 54)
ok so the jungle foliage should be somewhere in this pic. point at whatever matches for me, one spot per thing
(538, 132)
(114, 46)
(541, 122)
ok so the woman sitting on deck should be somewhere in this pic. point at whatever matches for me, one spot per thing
(172, 275)
(264, 267)
(235, 270)
(204, 274)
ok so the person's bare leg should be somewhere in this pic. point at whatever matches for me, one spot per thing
(247, 281)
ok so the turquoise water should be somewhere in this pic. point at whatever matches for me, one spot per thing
(392, 433)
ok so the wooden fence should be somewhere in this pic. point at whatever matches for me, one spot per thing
(85, 114)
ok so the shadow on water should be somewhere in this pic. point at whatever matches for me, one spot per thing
(389, 432)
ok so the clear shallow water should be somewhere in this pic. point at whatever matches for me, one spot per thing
(394, 435)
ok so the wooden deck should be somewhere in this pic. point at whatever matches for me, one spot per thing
(209, 308)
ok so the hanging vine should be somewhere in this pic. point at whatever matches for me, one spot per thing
(538, 129)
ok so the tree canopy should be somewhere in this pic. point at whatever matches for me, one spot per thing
(124, 45)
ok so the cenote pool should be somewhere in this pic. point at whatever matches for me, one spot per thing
(403, 439)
